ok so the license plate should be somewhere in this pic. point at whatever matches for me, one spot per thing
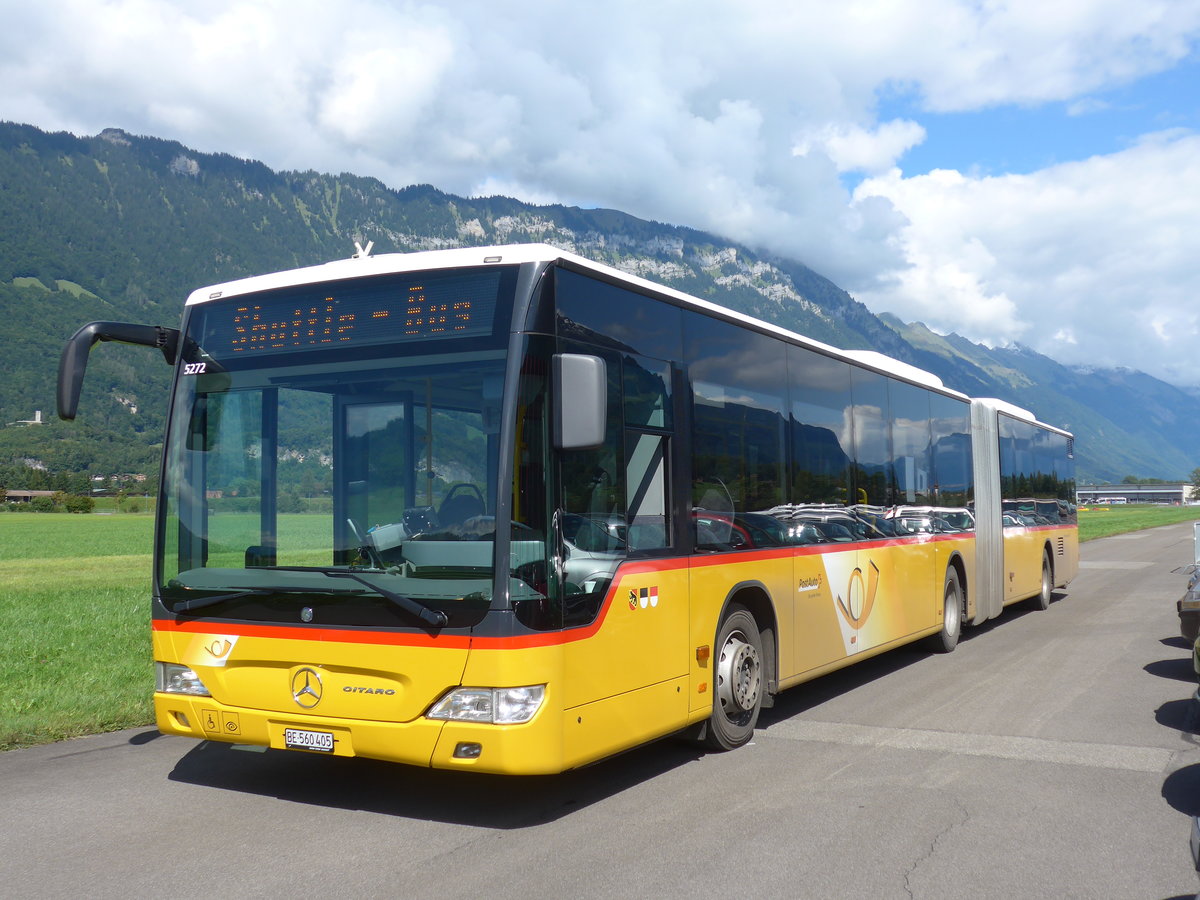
(300, 739)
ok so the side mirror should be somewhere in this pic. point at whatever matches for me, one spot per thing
(580, 385)
(73, 362)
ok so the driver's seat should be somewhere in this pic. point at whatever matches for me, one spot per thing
(457, 508)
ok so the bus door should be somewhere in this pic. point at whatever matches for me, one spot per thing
(618, 536)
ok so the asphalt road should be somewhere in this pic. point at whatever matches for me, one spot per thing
(1053, 754)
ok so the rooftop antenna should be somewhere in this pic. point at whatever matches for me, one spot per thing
(359, 252)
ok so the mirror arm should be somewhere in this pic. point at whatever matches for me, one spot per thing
(73, 362)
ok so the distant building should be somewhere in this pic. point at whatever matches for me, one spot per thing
(36, 420)
(1174, 493)
(17, 496)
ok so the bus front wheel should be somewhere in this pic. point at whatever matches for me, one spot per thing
(737, 681)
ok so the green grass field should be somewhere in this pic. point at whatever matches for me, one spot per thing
(74, 611)
(135, 504)
(75, 614)
(1105, 521)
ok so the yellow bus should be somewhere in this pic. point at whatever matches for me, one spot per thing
(509, 510)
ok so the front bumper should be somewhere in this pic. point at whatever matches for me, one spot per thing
(532, 748)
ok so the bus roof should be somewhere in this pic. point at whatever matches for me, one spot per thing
(362, 265)
(1018, 412)
(385, 264)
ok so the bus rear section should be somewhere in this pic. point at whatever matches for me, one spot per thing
(1028, 534)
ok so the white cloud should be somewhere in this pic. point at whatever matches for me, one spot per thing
(853, 148)
(1090, 262)
(1031, 51)
(691, 113)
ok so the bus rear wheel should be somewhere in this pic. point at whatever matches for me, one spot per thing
(952, 607)
(1042, 599)
(737, 681)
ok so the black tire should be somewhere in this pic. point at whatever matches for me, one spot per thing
(738, 681)
(1042, 599)
(952, 615)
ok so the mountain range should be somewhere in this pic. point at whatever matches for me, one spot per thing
(121, 227)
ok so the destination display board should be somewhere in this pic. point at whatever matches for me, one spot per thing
(358, 312)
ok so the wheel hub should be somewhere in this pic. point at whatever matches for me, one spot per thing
(739, 676)
(952, 610)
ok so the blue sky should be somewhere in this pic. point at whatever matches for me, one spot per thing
(1020, 139)
(1010, 170)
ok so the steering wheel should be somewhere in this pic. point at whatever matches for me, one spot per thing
(465, 487)
(463, 501)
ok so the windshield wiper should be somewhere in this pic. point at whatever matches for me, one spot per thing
(428, 615)
(434, 617)
(213, 600)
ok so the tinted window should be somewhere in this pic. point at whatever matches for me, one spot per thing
(911, 445)
(647, 385)
(649, 525)
(873, 474)
(950, 423)
(1037, 477)
(738, 388)
(592, 522)
(820, 427)
(606, 315)
(593, 480)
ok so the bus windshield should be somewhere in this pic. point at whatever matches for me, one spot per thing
(349, 482)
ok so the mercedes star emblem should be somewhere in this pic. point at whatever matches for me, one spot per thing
(306, 688)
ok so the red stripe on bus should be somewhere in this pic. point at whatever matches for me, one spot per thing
(540, 639)
(1028, 529)
(308, 633)
(417, 639)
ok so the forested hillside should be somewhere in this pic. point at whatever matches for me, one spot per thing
(121, 227)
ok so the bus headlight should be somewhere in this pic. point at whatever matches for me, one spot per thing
(494, 706)
(170, 678)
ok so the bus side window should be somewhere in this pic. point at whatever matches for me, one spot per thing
(592, 478)
(592, 527)
(646, 476)
(647, 402)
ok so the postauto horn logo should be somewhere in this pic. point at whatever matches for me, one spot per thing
(860, 599)
(306, 688)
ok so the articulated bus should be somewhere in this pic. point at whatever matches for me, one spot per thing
(509, 510)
